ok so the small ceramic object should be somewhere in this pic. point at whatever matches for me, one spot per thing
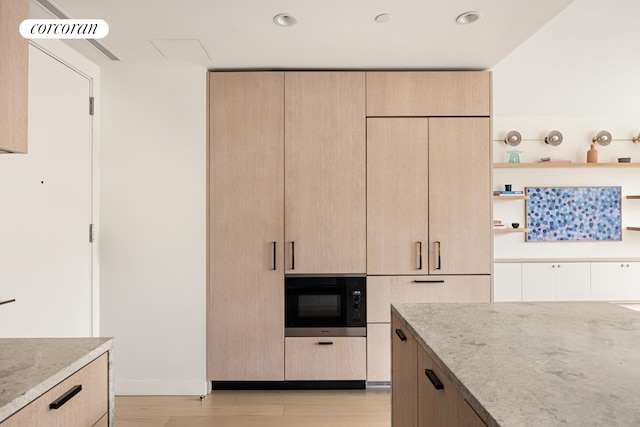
(515, 224)
(592, 154)
(514, 156)
(507, 187)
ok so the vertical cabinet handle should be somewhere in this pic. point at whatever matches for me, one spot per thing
(438, 259)
(65, 397)
(433, 378)
(401, 335)
(293, 255)
(420, 256)
(275, 263)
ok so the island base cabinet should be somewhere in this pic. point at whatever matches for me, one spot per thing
(404, 411)
(325, 358)
(439, 402)
(86, 408)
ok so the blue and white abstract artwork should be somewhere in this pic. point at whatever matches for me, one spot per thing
(574, 213)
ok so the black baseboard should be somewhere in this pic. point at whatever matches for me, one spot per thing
(288, 385)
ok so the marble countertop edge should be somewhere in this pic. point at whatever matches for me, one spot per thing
(38, 390)
(469, 397)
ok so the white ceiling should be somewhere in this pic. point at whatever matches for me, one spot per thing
(330, 34)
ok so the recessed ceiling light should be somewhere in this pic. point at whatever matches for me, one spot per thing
(383, 18)
(468, 17)
(285, 20)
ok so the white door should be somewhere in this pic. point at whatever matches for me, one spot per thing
(45, 209)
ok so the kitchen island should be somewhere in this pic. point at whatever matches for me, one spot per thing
(516, 364)
(56, 381)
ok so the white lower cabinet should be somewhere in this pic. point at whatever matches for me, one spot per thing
(567, 281)
(325, 358)
(615, 281)
(507, 282)
(556, 281)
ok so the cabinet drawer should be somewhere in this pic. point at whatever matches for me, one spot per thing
(85, 408)
(428, 94)
(326, 358)
(382, 291)
(439, 401)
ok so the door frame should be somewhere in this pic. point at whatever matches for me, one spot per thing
(74, 60)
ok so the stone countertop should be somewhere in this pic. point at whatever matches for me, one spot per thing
(31, 366)
(517, 364)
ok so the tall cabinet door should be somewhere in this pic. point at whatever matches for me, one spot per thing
(246, 199)
(397, 195)
(325, 208)
(459, 202)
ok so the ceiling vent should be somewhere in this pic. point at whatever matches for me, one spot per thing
(55, 11)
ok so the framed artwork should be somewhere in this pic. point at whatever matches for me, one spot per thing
(574, 214)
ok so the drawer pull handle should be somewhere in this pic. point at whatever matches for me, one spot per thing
(401, 335)
(325, 343)
(7, 301)
(65, 397)
(275, 264)
(434, 379)
(428, 281)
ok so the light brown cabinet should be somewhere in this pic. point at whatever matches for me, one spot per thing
(416, 93)
(325, 359)
(404, 362)
(325, 178)
(459, 205)
(422, 394)
(14, 74)
(427, 204)
(246, 202)
(439, 402)
(80, 400)
(397, 195)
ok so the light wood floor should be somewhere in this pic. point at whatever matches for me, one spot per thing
(349, 408)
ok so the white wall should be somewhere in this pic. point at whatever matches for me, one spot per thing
(153, 230)
(578, 75)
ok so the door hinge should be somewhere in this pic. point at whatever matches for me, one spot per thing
(91, 105)
(90, 233)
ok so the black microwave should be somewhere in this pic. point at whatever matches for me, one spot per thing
(325, 306)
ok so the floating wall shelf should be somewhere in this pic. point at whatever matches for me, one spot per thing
(511, 230)
(565, 165)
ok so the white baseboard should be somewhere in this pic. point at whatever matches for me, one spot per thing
(160, 388)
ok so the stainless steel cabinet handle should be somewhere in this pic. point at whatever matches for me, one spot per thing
(7, 301)
(420, 255)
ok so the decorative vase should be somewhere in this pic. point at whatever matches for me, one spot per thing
(592, 154)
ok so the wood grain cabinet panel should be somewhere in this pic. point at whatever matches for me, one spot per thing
(14, 72)
(87, 407)
(439, 401)
(378, 352)
(246, 247)
(459, 198)
(404, 384)
(382, 291)
(397, 195)
(409, 93)
(325, 176)
(325, 359)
